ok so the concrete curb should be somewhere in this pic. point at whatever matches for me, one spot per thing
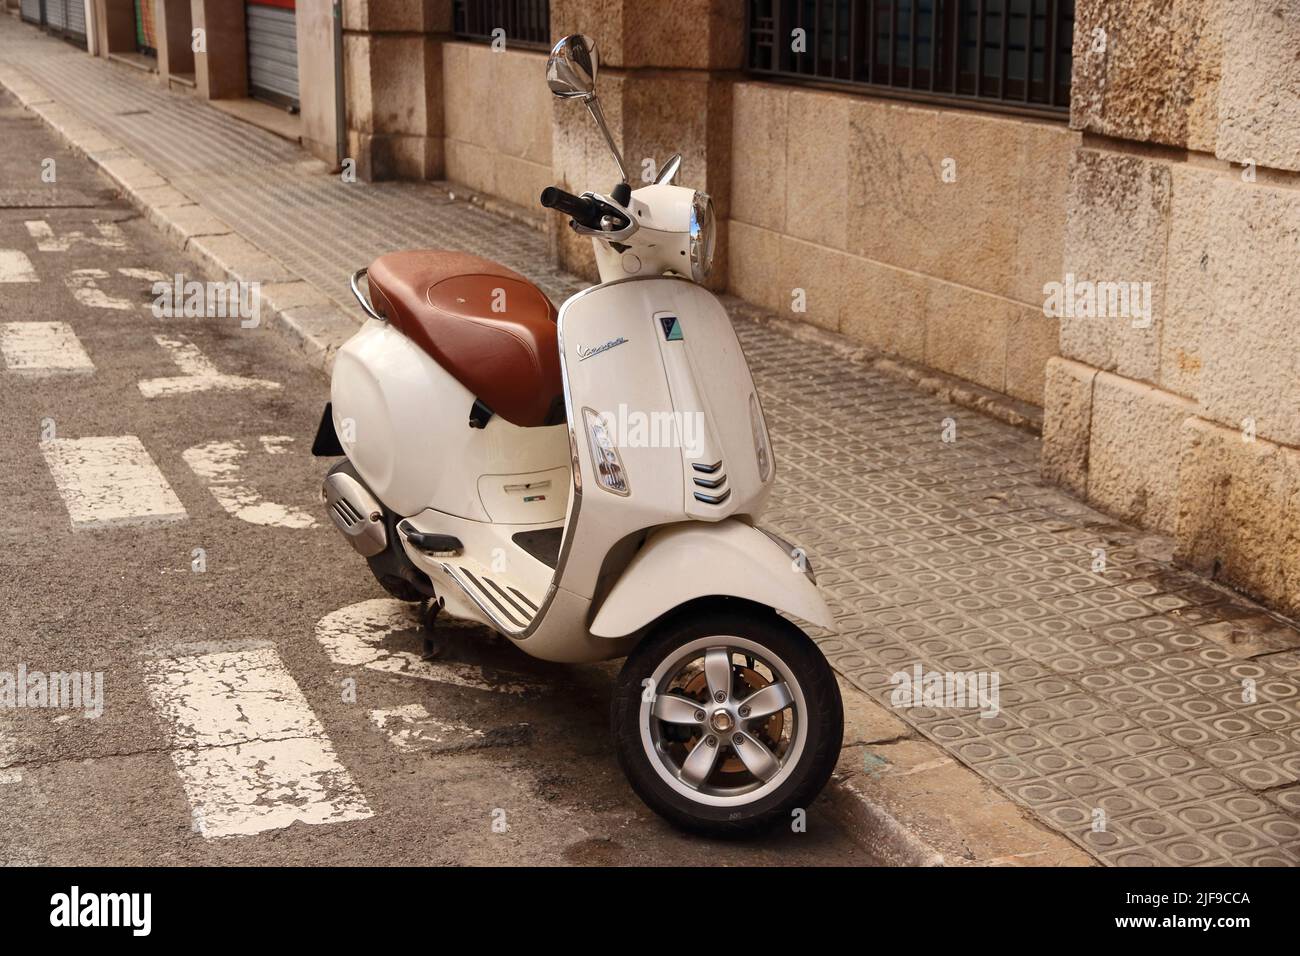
(875, 829)
(317, 327)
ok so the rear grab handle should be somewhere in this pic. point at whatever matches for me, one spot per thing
(356, 291)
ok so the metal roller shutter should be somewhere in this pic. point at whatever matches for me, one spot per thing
(273, 52)
(56, 14)
(77, 18)
(31, 10)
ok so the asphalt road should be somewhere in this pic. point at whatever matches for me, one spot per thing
(235, 727)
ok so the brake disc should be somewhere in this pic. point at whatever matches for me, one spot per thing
(747, 681)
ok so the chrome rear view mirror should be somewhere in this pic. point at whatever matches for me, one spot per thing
(571, 68)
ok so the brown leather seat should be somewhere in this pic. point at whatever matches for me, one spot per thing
(488, 326)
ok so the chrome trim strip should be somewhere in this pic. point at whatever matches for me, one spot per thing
(497, 623)
(707, 469)
(526, 615)
(492, 597)
(523, 597)
(710, 482)
(794, 551)
(713, 499)
(356, 291)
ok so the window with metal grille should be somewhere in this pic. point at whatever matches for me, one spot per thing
(996, 54)
(527, 23)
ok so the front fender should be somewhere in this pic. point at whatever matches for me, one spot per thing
(683, 562)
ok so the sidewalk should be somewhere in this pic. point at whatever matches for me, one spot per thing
(1146, 717)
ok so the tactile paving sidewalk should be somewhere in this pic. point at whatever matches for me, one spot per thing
(1124, 695)
(953, 556)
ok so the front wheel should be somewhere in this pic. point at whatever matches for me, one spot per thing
(727, 721)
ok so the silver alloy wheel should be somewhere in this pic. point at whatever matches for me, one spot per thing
(728, 720)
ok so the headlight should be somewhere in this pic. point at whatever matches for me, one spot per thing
(703, 236)
(604, 455)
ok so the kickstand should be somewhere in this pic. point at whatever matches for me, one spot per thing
(434, 645)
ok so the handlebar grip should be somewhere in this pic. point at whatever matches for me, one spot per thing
(584, 211)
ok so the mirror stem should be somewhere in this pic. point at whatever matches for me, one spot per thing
(593, 106)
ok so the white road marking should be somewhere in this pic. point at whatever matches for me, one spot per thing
(83, 285)
(275, 444)
(43, 348)
(250, 752)
(199, 374)
(110, 481)
(16, 267)
(110, 236)
(217, 462)
(148, 275)
(410, 728)
(354, 635)
(153, 277)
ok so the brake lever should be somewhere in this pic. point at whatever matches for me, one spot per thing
(610, 235)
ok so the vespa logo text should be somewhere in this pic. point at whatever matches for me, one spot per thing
(586, 352)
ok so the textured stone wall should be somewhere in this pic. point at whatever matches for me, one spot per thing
(1187, 179)
(843, 196)
(497, 121)
(392, 61)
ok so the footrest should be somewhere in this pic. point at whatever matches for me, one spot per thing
(437, 544)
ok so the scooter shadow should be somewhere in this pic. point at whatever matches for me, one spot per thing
(566, 708)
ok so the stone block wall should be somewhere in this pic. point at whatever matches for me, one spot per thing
(840, 204)
(1186, 178)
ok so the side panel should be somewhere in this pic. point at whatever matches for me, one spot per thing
(693, 560)
(404, 423)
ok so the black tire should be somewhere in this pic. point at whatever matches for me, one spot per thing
(394, 570)
(399, 588)
(825, 720)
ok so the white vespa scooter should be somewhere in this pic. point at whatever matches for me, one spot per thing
(588, 488)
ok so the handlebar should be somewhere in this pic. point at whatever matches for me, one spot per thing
(584, 211)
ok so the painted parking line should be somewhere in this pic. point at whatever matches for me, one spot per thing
(16, 267)
(84, 286)
(110, 481)
(110, 236)
(148, 275)
(410, 728)
(43, 348)
(250, 752)
(218, 463)
(198, 374)
(359, 635)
